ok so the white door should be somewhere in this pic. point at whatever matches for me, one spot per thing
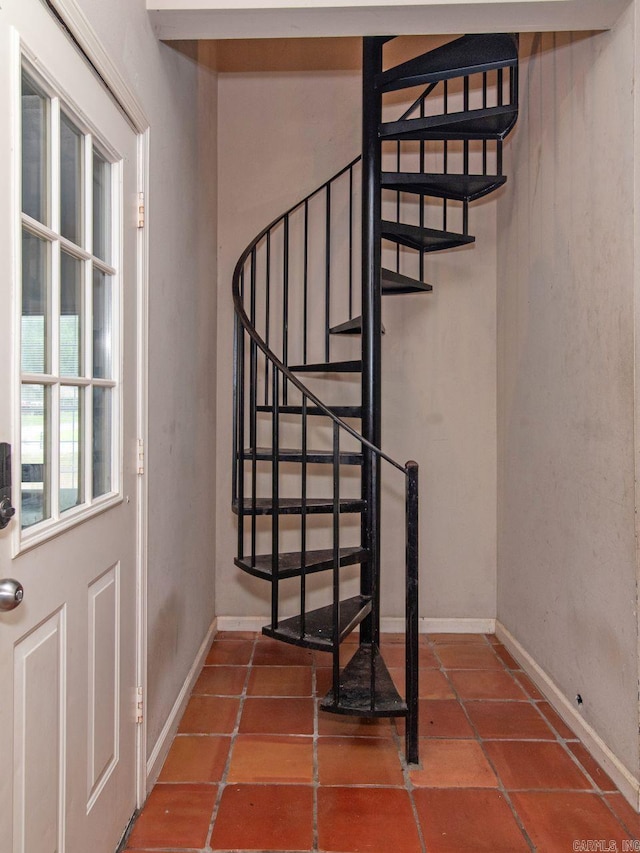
(68, 190)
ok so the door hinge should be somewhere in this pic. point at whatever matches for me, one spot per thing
(141, 210)
(139, 705)
(140, 457)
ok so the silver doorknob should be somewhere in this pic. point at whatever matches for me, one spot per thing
(11, 594)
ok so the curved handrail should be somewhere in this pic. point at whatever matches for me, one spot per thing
(268, 352)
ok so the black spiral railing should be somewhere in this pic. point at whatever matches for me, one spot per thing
(264, 392)
(362, 234)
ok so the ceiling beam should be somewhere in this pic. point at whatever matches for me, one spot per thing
(232, 19)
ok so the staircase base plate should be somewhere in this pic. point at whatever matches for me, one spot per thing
(354, 698)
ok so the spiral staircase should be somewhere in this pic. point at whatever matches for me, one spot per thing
(308, 467)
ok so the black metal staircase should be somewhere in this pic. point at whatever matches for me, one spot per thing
(315, 277)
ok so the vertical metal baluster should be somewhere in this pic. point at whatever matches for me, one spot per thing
(241, 424)
(327, 342)
(465, 149)
(266, 319)
(421, 197)
(305, 309)
(237, 460)
(253, 394)
(513, 86)
(303, 524)
(412, 620)
(336, 562)
(484, 106)
(513, 100)
(500, 85)
(285, 307)
(445, 155)
(275, 498)
(375, 643)
(372, 677)
(465, 167)
(398, 155)
(350, 242)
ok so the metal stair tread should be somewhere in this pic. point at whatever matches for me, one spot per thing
(396, 283)
(364, 688)
(470, 54)
(353, 366)
(293, 506)
(354, 695)
(318, 628)
(485, 123)
(426, 239)
(290, 563)
(350, 327)
(316, 411)
(455, 186)
(288, 454)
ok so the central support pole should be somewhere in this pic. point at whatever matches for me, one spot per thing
(371, 329)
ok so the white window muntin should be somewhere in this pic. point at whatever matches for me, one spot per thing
(85, 382)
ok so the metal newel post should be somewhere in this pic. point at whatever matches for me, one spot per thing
(371, 330)
(412, 651)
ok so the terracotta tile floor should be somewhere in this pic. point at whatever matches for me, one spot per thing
(257, 766)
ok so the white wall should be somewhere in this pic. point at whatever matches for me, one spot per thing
(281, 134)
(566, 545)
(182, 324)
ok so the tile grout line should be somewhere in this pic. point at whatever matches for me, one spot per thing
(500, 785)
(396, 737)
(408, 784)
(564, 743)
(619, 819)
(223, 779)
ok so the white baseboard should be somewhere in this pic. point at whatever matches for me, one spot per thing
(159, 752)
(628, 784)
(389, 624)
(444, 625)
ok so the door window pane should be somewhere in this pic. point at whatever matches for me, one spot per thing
(35, 454)
(35, 304)
(70, 315)
(101, 207)
(69, 322)
(71, 473)
(71, 145)
(35, 152)
(102, 301)
(101, 441)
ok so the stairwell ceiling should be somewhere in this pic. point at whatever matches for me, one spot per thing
(231, 19)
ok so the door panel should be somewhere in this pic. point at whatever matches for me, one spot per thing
(67, 653)
(39, 737)
(104, 686)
